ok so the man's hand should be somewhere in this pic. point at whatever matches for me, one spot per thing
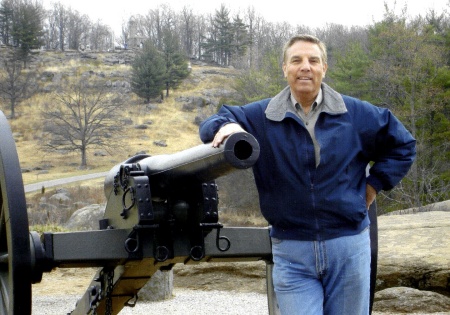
(371, 194)
(225, 132)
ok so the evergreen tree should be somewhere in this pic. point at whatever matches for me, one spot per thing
(241, 40)
(255, 84)
(6, 22)
(407, 73)
(224, 35)
(227, 39)
(148, 76)
(22, 25)
(27, 30)
(349, 71)
(176, 64)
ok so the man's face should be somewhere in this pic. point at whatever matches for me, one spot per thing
(304, 70)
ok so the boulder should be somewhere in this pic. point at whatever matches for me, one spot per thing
(414, 251)
(159, 287)
(60, 197)
(438, 206)
(408, 300)
(86, 218)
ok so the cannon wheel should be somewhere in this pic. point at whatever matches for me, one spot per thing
(15, 256)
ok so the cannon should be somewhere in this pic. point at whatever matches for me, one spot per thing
(160, 211)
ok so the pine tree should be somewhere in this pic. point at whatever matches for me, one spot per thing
(176, 64)
(21, 25)
(148, 77)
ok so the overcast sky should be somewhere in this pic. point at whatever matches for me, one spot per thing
(313, 13)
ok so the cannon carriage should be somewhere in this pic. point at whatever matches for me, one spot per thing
(160, 211)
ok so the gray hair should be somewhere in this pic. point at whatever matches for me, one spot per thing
(306, 38)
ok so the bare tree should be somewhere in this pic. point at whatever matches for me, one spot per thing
(69, 29)
(14, 79)
(187, 29)
(51, 36)
(61, 17)
(124, 38)
(84, 116)
(101, 37)
(77, 29)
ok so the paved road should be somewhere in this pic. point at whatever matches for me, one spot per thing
(63, 181)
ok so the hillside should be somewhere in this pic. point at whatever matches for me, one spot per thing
(156, 128)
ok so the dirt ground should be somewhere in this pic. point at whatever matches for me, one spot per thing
(240, 277)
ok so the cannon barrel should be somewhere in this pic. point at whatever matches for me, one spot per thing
(201, 163)
(174, 189)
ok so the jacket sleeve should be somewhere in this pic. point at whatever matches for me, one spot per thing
(210, 126)
(393, 151)
(228, 114)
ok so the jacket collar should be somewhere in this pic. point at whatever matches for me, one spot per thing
(280, 105)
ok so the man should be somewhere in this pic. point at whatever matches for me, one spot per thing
(311, 178)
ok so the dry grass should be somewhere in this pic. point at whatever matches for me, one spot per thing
(166, 121)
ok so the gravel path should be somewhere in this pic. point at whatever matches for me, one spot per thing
(184, 302)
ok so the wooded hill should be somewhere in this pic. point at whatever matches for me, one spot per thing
(400, 62)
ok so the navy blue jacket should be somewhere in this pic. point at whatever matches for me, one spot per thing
(305, 202)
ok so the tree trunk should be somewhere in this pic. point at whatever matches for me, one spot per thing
(83, 158)
(13, 107)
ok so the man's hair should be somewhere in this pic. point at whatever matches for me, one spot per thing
(306, 38)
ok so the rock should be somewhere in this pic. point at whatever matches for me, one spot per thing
(160, 287)
(47, 207)
(60, 197)
(100, 153)
(160, 143)
(191, 103)
(86, 218)
(414, 251)
(47, 75)
(408, 300)
(438, 206)
(63, 191)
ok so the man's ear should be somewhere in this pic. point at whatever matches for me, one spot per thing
(325, 68)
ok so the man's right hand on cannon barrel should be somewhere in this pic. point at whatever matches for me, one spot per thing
(224, 132)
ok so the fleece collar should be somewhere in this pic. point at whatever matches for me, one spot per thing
(281, 104)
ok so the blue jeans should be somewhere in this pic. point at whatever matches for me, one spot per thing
(329, 277)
